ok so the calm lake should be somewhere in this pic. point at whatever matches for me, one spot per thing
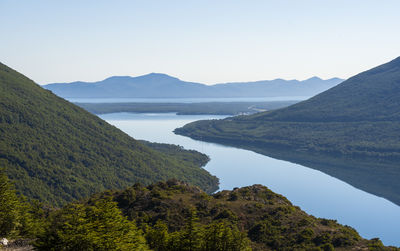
(315, 192)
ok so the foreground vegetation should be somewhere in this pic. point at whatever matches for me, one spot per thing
(208, 108)
(57, 152)
(175, 216)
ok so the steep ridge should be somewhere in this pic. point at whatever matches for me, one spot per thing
(55, 151)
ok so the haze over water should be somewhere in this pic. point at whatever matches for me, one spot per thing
(184, 100)
(315, 192)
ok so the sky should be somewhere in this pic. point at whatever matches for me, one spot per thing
(208, 41)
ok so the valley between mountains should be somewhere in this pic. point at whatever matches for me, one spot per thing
(71, 181)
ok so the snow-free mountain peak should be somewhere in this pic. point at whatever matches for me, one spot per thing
(159, 85)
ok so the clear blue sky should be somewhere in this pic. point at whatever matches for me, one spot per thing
(204, 41)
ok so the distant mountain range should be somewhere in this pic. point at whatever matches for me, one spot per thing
(156, 85)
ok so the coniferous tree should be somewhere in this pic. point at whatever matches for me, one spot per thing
(158, 237)
(10, 208)
(220, 236)
(99, 226)
(193, 233)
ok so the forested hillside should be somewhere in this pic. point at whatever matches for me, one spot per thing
(56, 152)
(350, 131)
(370, 96)
(174, 216)
(359, 117)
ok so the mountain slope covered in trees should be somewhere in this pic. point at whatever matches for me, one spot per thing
(56, 152)
(174, 216)
(357, 119)
(359, 116)
(370, 96)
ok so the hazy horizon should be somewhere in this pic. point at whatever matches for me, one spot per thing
(208, 42)
(250, 81)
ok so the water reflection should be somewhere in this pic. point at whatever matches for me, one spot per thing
(314, 191)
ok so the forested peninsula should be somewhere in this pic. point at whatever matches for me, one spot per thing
(350, 131)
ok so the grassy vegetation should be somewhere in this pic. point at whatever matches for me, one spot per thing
(57, 152)
(174, 216)
(209, 108)
(358, 119)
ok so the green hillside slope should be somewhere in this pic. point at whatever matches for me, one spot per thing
(175, 216)
(55, 151)
(358, 119)
(373, 95)
(360, 116)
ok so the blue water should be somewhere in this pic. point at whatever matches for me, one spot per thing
(184, 100)
(315, 192)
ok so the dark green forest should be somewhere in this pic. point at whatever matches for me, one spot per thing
(174, 216)
(57, 152)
